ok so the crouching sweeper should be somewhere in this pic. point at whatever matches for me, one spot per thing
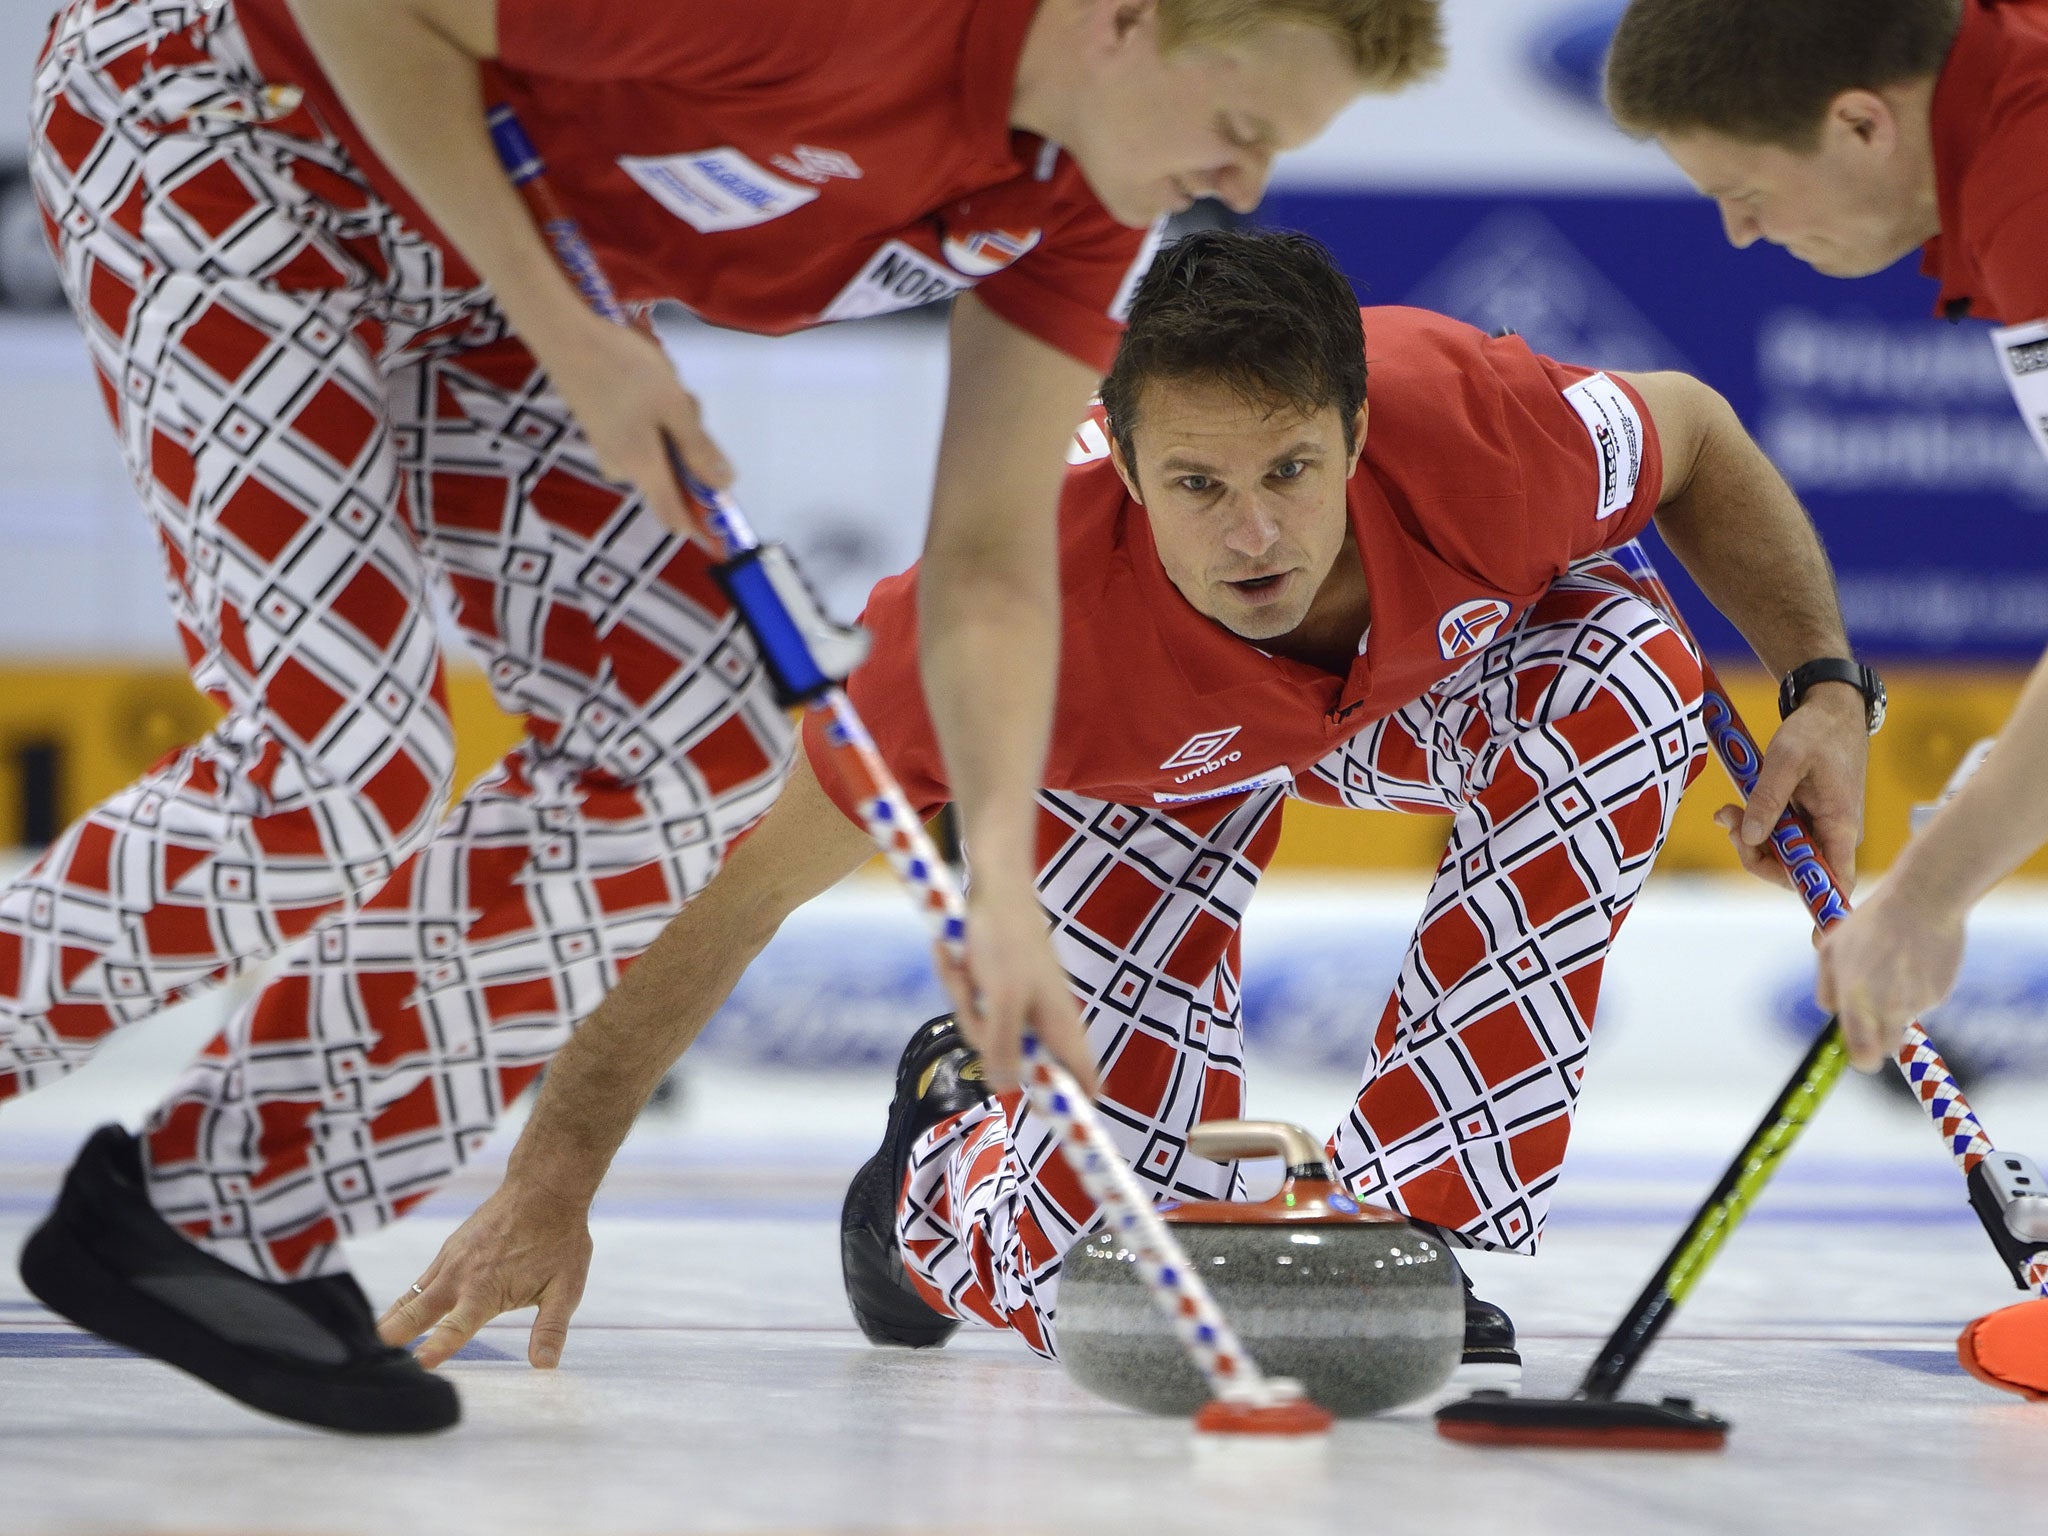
(1278, 582)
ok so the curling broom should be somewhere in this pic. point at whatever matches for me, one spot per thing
(808, 657)
(2006, 1190)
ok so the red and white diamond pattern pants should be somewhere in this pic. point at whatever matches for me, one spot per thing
(1560, 752)
(326, 436)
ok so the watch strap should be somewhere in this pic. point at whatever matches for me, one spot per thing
(1794, 686)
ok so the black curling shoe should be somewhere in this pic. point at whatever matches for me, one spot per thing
(306, 1351)
(1490, 1359)
(938, 1077)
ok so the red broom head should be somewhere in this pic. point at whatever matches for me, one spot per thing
(1299, 1417)
(2008, 1349)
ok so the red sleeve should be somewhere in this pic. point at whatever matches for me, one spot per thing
(1591, 465)
(2013, 261)
(2002, 209)
(1073, 289)
(889, 695)
(714, 44)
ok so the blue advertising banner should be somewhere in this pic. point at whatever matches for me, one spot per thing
(1502, 194)
(1895, 428)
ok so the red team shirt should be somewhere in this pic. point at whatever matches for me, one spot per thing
(1487, 471)
(775, 164)
(1990, 123)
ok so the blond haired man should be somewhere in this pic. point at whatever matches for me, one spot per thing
(345, 368)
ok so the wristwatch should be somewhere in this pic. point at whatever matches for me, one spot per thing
(1793, 686)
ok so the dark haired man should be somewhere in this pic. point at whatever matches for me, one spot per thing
(1852, 132)
(1277, 582)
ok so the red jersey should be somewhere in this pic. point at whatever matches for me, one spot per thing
(1487, 471)
(1990, 122)
(776, 164)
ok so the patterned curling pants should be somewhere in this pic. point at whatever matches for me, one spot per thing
(1560, 751)
(325, 433)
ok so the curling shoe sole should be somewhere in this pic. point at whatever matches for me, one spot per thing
(307, 1350)
(937, 1077)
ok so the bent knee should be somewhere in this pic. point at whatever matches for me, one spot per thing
(1666, 683)
(1640, 662)
(360, 781)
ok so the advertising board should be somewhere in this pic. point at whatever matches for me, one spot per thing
(1501, 194)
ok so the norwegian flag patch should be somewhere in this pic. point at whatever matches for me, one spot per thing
(986, 252)
(1465, 628)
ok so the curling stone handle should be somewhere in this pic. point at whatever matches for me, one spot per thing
(1228, 1141)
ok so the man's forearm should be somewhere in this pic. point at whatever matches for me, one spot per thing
(990, 654)
(1996, 821)
(596, 1086)
(407, 70)
(1743, 537)
(988, 586)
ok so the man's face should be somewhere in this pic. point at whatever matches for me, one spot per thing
(1860, 200)
(1246, 501)
(1154, 132)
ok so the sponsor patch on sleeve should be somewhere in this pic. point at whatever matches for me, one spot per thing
(2023, 359)
(1616, 427)
(713, 190)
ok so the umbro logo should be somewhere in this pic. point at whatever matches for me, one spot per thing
(1202, 753)
(809, 163)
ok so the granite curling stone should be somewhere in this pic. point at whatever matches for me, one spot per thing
(1362, 1308)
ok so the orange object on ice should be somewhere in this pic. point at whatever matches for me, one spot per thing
(2008, 1349)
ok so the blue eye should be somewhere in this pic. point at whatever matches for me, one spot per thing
(1293, 469)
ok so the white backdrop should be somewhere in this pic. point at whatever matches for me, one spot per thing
(834, 432)
(1502, 117)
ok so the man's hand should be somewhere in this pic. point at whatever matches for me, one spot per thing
(1816, 762)
(409, 73)
(1010, 983)
(1889, 962)
(523, 1247)
(624, 393)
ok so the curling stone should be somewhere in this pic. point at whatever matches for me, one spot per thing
(1354, 1302)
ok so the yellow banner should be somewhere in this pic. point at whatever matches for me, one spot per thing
(71, 735)
(1936, 715)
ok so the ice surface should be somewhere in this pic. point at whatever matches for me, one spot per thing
(715, 1383)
